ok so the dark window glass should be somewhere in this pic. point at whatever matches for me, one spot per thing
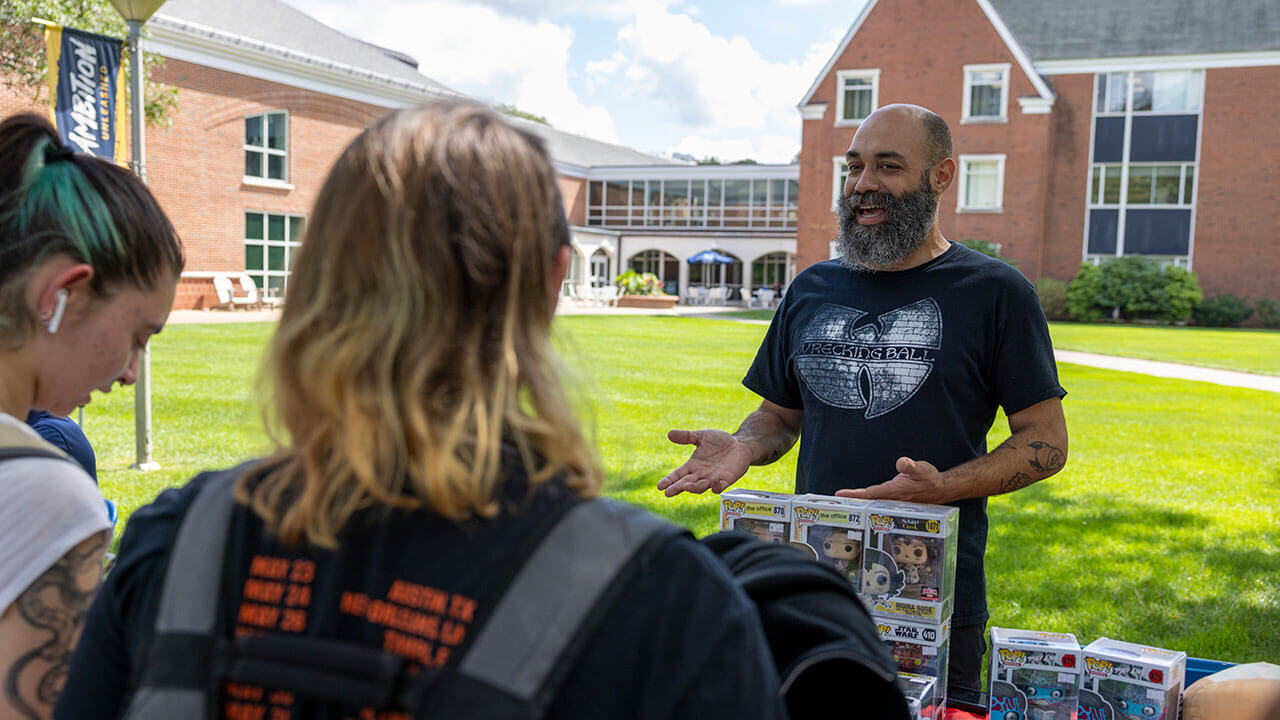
(1139, 185)
(1188, 184)
(275, 228)
(737, 192)
(277, 127)
(275, 257)
(595, 192)
(1167, 181)
(616, 192)
(253, 257)
(253, 226)
(275, 167)
(295, 228)
(1111, 187)
(253, 163)
(253, 130)
(985, 101)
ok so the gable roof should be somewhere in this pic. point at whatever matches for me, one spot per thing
(1087, 29)
(271, 31)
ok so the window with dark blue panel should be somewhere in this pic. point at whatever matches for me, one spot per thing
(1102, 231)
(1157, 138)
(1108, 139)
(1157, 232)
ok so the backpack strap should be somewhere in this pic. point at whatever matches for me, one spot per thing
(176, 676)
(526, 649)
(16, 443)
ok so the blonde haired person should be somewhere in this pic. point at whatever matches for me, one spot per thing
(426, 442)
(88, 268)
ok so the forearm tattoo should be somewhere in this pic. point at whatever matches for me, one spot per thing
(55, 603)
(1017, 482)
(1045, 460)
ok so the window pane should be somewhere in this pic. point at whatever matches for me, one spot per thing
(253, 226)
(296, 225)
(275, 167)
(276, 130)
(715, 194)
(595, 192)
(1193, 90)
(777, 192)
(1118, 91)
(275, 228)
(253, 130)
(252, 163)
(1101, 103)
(253, 257)
(616, 193)
(276, 283)
(1111, 188)
(759, 193)
(1095, 185)
(1166, 185)
(1188, 184)
(984, 101)
(1143, 83)
(1170, 93)
(737, 192)
(980, 185)
(793, 190)
(275, 257)
(1140, 185)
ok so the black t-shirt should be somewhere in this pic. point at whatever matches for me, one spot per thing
(911, 363)
(682, 641)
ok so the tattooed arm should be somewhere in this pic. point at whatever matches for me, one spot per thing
(39, 630)
(720, 459)
(1036, 449)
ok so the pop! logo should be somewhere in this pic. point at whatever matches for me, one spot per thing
(881, 523)
(734, 507)
(1013, 657)
(807, 515)
(883, 630)
(1097, 667)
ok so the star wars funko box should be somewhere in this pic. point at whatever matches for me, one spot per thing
(1134, 681)
(767, 515)
(918, 648)
(1034, 675)
(834, 528)
(909, 562)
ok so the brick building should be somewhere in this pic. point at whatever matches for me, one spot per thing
(1082, 130)
(268, 97)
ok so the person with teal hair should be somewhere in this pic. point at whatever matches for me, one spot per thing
(89, 264)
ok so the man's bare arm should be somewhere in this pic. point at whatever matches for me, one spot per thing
(40, 629)
(720, 459)
(1036, 449)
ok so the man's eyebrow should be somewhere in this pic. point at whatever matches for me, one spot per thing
(886, 155)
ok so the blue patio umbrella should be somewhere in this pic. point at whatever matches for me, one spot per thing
(710, 256)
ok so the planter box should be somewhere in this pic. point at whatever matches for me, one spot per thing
(656, 302)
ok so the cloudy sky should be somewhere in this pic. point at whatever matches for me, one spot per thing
(702, 77)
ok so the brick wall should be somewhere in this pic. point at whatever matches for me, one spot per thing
(921, 48)
(1237, 227)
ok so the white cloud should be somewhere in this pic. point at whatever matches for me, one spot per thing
(479, 51)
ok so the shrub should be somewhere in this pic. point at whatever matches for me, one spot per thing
(1133, 287)
(1053, 298)
(1082, 294)
(634, 283)
(988, 249)
(1268, 311)
(1225, 310)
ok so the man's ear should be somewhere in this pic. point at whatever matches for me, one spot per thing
(942, 175)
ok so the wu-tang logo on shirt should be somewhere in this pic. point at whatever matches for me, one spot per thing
(877, 365)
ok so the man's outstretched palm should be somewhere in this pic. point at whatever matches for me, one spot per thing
(718, 461)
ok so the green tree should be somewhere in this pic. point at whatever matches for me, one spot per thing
(22, 51)
(987, 248)
(1082, 294)
(514, 111)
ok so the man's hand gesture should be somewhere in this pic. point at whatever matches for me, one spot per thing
(718, 461)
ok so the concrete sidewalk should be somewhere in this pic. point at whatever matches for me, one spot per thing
(1106, 362)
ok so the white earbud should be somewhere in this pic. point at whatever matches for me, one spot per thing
(56, 319)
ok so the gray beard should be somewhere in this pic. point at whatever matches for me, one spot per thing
(905, 228)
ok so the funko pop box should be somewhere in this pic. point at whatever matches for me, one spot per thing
(909, 562)
(918, 649)
(834, 529)
(1036, 675)
(767, 515)
(923, 700)
(1134, 681)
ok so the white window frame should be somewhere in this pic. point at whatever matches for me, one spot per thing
(962, 174)
(841, 76)
(267, 152)
(969, 70)
(290, 247)
(838, 168)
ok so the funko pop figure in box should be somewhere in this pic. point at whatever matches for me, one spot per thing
(912, 555)
(881, 578)
(1007, 702)
(766, 530)
(842, 550)
(1044, 693)
(1131, 701)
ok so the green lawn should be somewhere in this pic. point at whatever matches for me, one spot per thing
(1163, 528)
(1256, 351)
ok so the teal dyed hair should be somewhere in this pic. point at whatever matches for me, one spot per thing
(54, 202)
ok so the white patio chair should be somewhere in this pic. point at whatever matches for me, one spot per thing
(763, 298)
(608, 295)
(222, 286)
(252, 299)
